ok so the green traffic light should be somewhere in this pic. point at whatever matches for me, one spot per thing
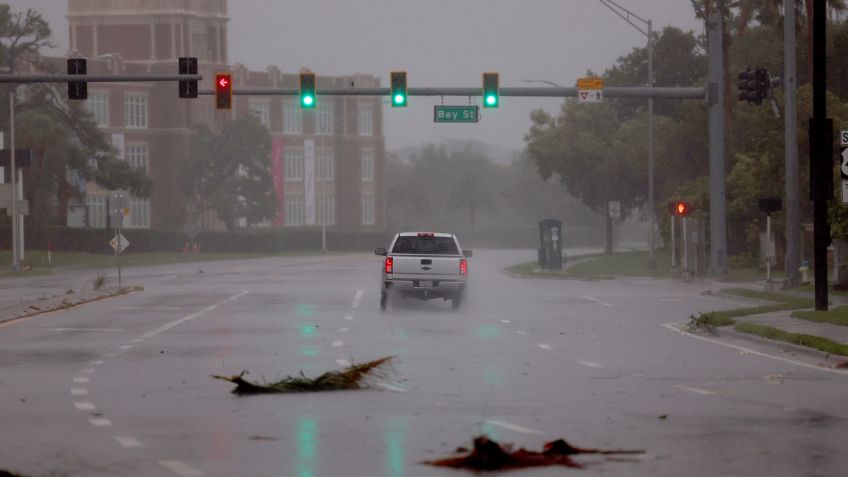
(308, 100)
(491, 100)
(400, 99)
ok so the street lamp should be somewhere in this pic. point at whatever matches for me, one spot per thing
(629, 17)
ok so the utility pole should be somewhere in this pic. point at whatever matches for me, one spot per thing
(790, 120)
(718, 217)
(821, 154)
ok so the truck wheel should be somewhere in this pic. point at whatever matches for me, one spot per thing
(456, 302)
(384, 298)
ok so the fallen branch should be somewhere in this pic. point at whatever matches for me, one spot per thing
(489, 455)
(353, 377)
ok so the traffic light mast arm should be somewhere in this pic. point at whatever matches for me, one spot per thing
(64, 78)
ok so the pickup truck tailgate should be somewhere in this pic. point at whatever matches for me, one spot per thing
(426, 267)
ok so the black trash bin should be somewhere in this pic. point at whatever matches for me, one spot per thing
(550, 251)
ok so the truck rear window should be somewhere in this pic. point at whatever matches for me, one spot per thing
(426, 245)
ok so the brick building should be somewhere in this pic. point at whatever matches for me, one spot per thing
(327, 162)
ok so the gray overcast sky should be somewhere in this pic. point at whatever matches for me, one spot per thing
(439, 42)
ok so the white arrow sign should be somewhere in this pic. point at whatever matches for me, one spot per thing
(844, 168)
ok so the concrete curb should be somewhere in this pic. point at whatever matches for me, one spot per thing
(61, 302)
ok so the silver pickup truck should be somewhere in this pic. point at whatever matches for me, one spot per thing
(424, 265)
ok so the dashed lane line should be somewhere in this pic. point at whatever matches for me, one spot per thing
(522, 333)
(79, 392)
(87, 371)
(337, 344)
(356, 299)
(695, 390)
(127, 441)
(344, 330)
(544, 346)
(81, 380)
(348, 318)
(672, 327)
(192, 316)
(600, 302)
(590, 364)
(100, 422)
(85, 406)
(87, 330)
(96, 363)
(512, 427)
(180, 468)
(505, 321)
(126, 347)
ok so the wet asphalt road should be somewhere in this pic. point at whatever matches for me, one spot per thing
(123, 386)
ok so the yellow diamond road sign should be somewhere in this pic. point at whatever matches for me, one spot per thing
(584, 84)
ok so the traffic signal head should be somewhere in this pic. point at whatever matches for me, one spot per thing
(224, 91)
(77, 89)
(682, 208)
(491, 90)
(754, 85)
(307, 90)
(398, 80)
(188, 88)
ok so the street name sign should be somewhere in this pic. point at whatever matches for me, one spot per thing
(590, 84)
(456, 114)
(843, 138)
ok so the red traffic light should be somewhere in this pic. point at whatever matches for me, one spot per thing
(224, 91)
(682, 209)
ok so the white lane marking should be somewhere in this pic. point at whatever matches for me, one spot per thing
(138, 340)
(93, 330)
(505, 321)
(110, 355)
(96, 363)
(390, 387)
(349, 318)
(356, 299)
(544, 346)
(344, 330)
(522, 333)
(81, 380)
(600, 302)
(343, 362)
(671, 327)
(100, 422)
(337, 344)
(692, 389)
(79, 392)
(179, 468)
(672, 299)
(87, 371)
(127, 441)
(192, 316)
(85, 406)
(590, 364)
(127, 347)
(150, 308)
(512, 427)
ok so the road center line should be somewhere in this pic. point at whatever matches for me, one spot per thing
(356, 299)
(180, 468)
(202, 312)
(544, 346)
(700, 391)
(127, 441)
(590, 364)
(671, 327)
(600, 302)
(512, 427)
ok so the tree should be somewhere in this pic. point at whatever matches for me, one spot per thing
(230, 172)
(22, 36)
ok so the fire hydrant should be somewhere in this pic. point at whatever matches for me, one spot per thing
(805, 269)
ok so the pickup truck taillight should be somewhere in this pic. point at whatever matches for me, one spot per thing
(389, 264)
(463, 266)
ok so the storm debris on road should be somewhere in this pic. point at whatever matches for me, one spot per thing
(490, 455)
(353, 377)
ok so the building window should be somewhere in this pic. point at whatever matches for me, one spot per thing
(326, 209)
(139, 213)
(98, 105)
(292, 118)
(367, 209)
(262, 111)
(324, 119)
(137, 157)
(135, 109)
(367, 164)
(293, 167)
(326, 163)
(293, 206)
(366, 119)
(97, 210)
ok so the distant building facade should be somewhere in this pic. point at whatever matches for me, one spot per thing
(327, 162)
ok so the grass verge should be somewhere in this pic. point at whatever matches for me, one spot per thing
(781, 303)
(810, 341)
(834, 316)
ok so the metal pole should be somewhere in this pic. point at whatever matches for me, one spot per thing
(19, 194)
(790, 121)
(323, 210)
(673, 246)
(718, 217)
(821, 154)
(652, 260)
(768, 248)
(685, 257)
(118, 248)
(15, 261)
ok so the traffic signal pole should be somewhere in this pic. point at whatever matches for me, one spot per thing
(821, 154)
(793, 199)
(718, 208)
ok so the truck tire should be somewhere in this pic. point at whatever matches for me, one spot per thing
(384, 298)
(456, 302)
